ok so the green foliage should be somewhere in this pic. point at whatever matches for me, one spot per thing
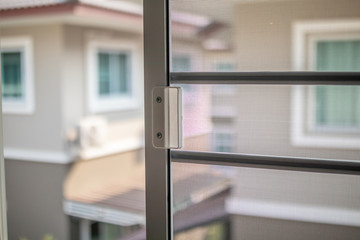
(45, 237)
(48, 237)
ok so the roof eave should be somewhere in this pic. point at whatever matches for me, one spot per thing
(74, 14)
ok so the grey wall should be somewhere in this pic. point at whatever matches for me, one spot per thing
(263, 42)
(263, 124)
(73, 76)
(60, 85)
(75, 83)
(40, 130)
(35, 190)
(263, 29)
(255, 228)
(34, 197)
(303, 188)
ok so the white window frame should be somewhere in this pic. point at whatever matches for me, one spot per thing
(25, 105)
(97, 104)
(304, 133)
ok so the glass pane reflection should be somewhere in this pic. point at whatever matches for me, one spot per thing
(222, 203)
(288, 35)
(300, 121)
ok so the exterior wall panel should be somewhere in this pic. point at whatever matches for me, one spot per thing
(41, 130)
(246, 227)
(35, 200)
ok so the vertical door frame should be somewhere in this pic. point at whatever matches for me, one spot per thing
(3, 205)
(158, 169)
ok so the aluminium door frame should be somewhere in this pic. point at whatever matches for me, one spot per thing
(158, 161)
(3, 205)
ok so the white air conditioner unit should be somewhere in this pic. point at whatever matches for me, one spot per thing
(93, 132)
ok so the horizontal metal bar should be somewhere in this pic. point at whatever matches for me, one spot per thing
(290, 78)
(269, 162)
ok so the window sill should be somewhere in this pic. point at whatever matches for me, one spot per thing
(17, 108)
(123, 104)
(111, 148)
(322, 141)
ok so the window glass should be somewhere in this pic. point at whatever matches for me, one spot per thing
(113, 73)
(338, 106)
(11, 70)
(338, 55)
(222, 142)
(224, 67)
(181, 64)
(17, 74)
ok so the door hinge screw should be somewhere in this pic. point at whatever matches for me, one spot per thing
(159, 135)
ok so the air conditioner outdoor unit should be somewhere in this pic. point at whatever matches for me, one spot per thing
(93, 132)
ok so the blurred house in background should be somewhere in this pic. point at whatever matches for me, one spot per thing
(72, 92)
(300, 121)
(72, 85)
(73, 118)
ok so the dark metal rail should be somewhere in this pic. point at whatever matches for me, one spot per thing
(281, 78)
(269, 162)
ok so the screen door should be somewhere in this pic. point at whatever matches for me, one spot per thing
(271, 119)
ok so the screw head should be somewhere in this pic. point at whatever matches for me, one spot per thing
(159, 135)
(158, 99)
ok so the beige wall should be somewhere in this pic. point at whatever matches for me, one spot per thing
(199, 143)
(116, 173)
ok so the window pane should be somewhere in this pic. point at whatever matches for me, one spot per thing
(338, 106)
(11, 70)
(221, 203)
(273, 120)
(121, 82)
(338, 55)
(181, 64)
(104, 74)
(113, 74)
(262, 35)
